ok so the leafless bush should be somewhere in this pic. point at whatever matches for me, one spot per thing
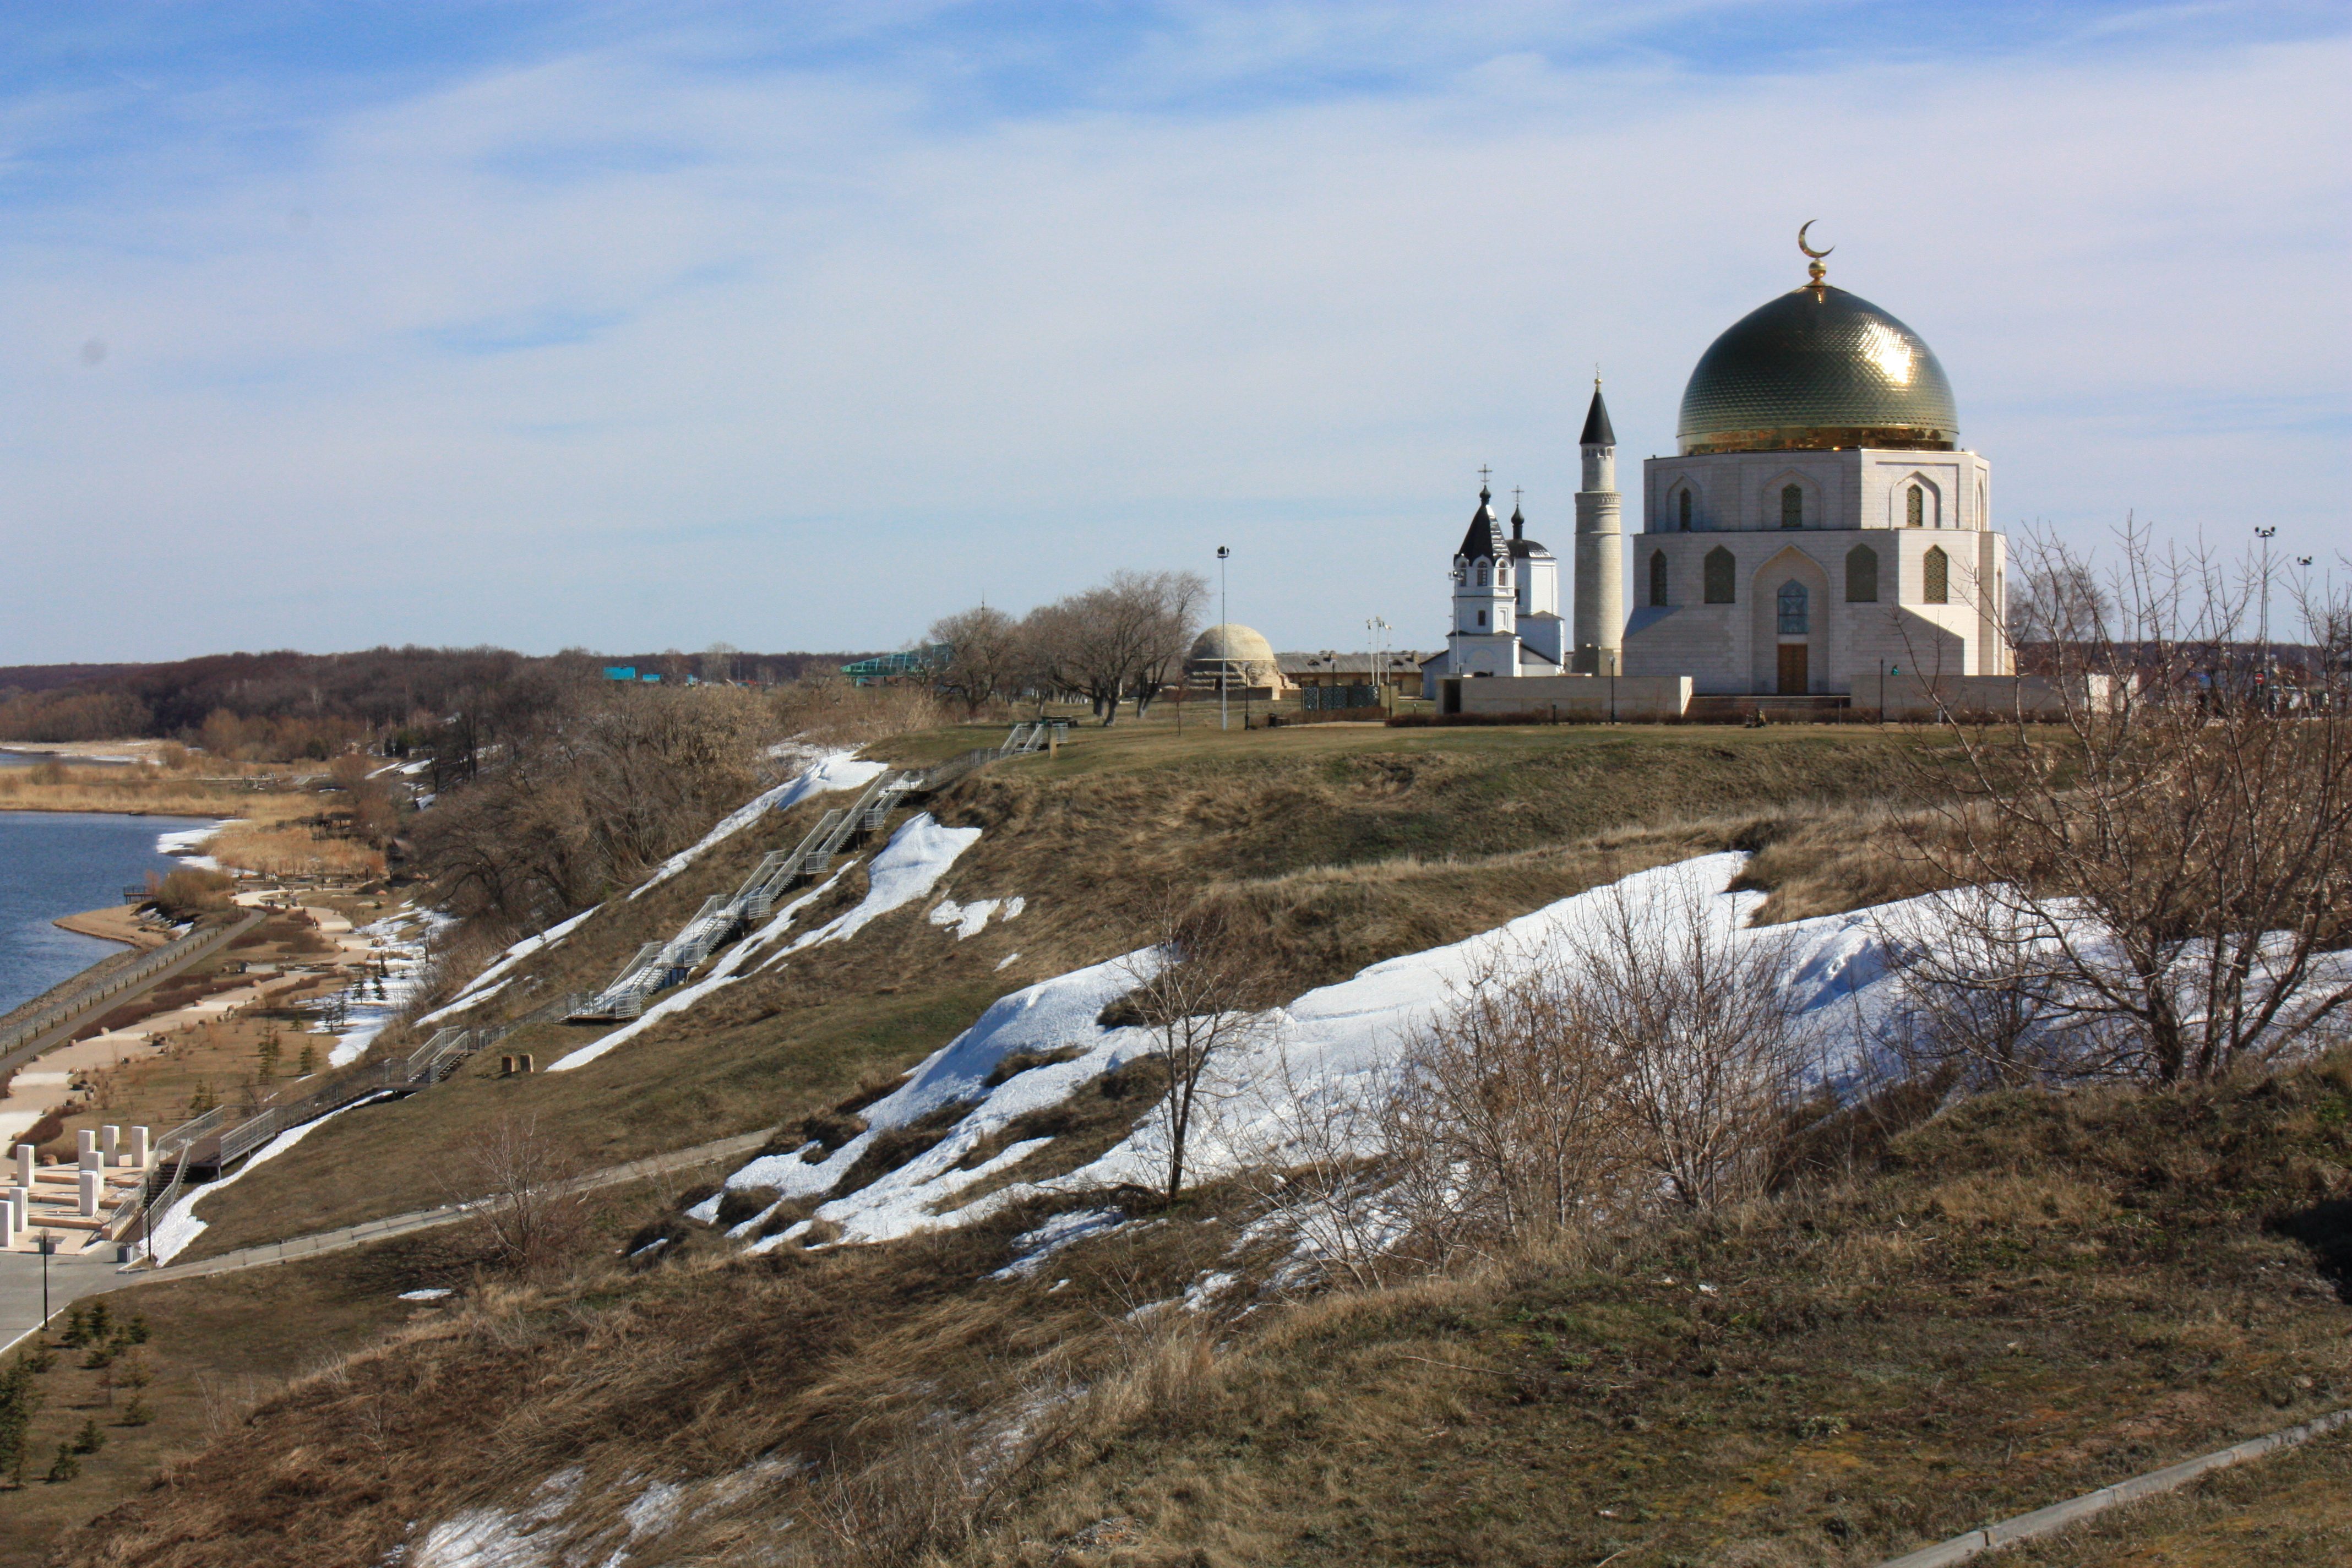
(1655, 1057)
(1704, 1040)
(2178, 850)
(827, 709)
(188, 891)
(1511, 1124)
(524, 1188)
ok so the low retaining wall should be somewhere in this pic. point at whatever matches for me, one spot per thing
(1581, 698)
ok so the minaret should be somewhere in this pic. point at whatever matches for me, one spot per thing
(1600, 550)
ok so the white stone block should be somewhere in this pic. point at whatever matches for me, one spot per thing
(24, 1164)
(93, 1182)
(110, 1142)
(89, 1158)
(139, 1148)
(86, 1140)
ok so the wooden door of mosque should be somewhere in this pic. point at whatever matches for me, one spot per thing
(1793, 676)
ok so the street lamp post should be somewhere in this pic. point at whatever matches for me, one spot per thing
(1224, 638)
(2263, 657)
(47, 1243)
(1373, 628)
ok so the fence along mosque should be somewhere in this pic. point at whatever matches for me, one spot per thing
(1819, 525)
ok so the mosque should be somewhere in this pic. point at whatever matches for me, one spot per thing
(1818, 529)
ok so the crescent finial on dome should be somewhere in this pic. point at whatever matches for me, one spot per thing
(1814, 269)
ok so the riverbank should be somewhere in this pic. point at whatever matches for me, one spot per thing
(120, 923)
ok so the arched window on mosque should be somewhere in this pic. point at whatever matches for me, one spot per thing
(1792, 506)
(1984, 506)
(1936, 577)
(1482, 574)
(1682, 505)
(1915, 507)
(1720, 568)
(1862, 575)
(1658, 578)
(1793, 603)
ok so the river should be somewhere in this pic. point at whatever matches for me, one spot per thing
(56, 863)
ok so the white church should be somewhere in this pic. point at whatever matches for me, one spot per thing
(1819, 531)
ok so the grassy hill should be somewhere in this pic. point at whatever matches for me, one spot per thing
(1347, 845)
(1963, 1315)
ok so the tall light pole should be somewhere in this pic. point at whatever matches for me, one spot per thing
(1372, 629)
(1224, 637)
(2263, 666)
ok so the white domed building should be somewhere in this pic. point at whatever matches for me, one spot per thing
(1237, 656)
(1820, 516)
(1819, 533)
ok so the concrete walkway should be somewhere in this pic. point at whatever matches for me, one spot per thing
(73, 1277)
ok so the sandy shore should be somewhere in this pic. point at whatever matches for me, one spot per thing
(120, 923)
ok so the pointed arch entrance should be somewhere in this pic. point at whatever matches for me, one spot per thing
(1790, 600)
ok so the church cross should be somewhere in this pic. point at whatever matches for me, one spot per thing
(1483, 472)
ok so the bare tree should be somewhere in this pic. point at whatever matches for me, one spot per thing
(523, 1187)
(1198, 989)
(1123, 640)
(2177, 848)
(982, 659)
(1172, 604)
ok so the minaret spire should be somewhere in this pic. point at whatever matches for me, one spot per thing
(1599, 628)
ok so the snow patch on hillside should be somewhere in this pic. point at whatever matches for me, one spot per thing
(180, 1226)
(1329, 1046)
(908, 868)
(529, 946)
(1048, 1017)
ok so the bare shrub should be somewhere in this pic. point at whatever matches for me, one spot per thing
(1655, 1057)
(1704, 1040)
(2169, 865)
(1510, 1125)
(827, 709)
(187, 891)
(523, 1187)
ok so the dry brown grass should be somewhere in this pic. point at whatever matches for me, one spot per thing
(293, 850)
(238, 790)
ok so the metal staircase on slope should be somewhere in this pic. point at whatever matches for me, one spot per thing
(660, 965)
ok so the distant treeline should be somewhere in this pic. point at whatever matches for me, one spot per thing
(274, 707)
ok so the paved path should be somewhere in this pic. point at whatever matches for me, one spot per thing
(221, 936)
(72, 1277)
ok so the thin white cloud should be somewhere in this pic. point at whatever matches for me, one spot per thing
(627, 349)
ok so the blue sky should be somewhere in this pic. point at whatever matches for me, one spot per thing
(636, 325)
